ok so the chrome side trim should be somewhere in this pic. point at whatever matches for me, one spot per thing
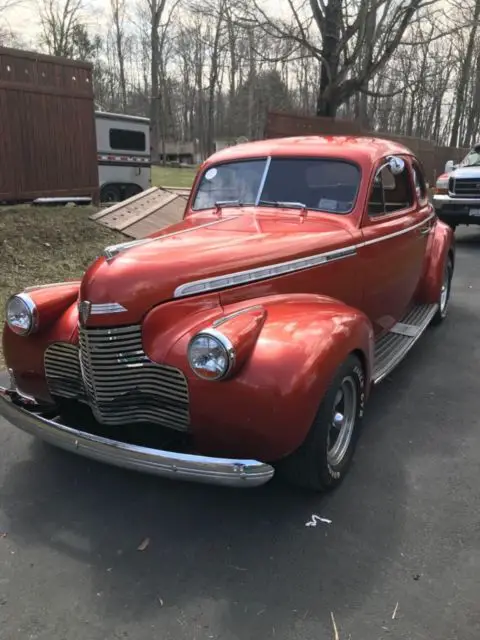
(397, 233)
(106, 307)
(230, 472)
(281, 268)
(220, 321)
(113, 250)
(51, 285)
(261, 273)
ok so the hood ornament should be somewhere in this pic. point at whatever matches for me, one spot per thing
(84, 308)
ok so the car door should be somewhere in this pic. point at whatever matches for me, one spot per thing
(395, 227)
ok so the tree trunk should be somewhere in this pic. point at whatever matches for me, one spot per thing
(327, 102)
(465, 71)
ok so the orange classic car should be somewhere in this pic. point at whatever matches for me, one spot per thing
(244, 340)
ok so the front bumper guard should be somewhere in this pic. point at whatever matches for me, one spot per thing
(441, 201)
(168, 464)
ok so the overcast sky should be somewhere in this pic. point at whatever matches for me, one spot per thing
(24, 19)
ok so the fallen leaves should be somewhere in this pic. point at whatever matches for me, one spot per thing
(316, 519)
(334, 625)
(143, 545)
(395, 611)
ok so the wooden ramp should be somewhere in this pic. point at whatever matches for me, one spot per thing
(144, 213)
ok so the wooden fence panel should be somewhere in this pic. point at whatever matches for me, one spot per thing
(432, 157)
(47, 127)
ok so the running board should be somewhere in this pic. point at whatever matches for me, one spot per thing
(391, 348)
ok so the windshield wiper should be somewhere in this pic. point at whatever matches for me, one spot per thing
(283, 203)
(227, 203)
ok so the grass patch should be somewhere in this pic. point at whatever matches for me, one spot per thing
(172, 177)
(39, 245)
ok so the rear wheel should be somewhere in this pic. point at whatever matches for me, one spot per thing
(323, 460)
(444, 298)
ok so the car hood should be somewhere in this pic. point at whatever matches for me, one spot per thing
(148, 272)
(466, 172)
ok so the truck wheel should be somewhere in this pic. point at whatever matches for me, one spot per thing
(444, 298)
(322, 461)
(110, 193)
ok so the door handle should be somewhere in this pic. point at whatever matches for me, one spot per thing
(425, 231)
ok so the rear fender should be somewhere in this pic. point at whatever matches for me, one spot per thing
(441, 245)
(292, 347)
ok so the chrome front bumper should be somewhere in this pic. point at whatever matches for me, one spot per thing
(168, 464)
(444, 200)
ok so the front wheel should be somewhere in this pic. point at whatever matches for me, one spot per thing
(323, 460)
(444, 298)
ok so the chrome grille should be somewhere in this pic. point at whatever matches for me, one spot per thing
(121, 384)
(465, 187)
(62, 370)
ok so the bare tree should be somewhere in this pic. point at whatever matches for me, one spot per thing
(118, 16)
(465, 72)
(59, 21)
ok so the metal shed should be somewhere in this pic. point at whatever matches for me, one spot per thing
(47, 127)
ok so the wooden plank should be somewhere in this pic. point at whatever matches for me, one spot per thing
(125, 218)
(169, 214)
(120, 205)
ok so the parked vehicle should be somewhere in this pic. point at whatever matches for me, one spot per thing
(457, 193)
(123, 152)
(246, 338)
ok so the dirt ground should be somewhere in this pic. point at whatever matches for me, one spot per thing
(39, 245)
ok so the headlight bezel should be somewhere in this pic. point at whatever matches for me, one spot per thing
(32, 310)
(224, 343)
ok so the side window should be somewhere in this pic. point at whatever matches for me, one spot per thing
(127, 140)
(390, 193)
(420, 182)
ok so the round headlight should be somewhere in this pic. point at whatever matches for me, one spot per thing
(21, 314)
(211, 355)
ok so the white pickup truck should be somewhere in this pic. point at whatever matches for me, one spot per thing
(457, 193)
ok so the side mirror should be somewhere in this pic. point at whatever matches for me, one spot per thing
(395, 164)
(450, 166)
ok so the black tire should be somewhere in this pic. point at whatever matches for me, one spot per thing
(444, 297)
(110, 193)
(312, 466)
(132, 190)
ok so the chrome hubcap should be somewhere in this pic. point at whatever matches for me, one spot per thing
(343, 421)
(444, 292)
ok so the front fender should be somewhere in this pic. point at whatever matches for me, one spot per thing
(266, 408)
(441, 244)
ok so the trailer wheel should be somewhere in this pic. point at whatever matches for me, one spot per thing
(110, 193)
(132, 190)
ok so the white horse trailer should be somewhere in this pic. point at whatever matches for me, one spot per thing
(123, 148)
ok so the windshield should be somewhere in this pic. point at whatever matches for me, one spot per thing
(317, 184)
(472, 159)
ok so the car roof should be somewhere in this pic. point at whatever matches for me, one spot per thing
(355, 148)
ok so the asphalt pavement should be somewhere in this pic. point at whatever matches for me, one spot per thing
(400, 559)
